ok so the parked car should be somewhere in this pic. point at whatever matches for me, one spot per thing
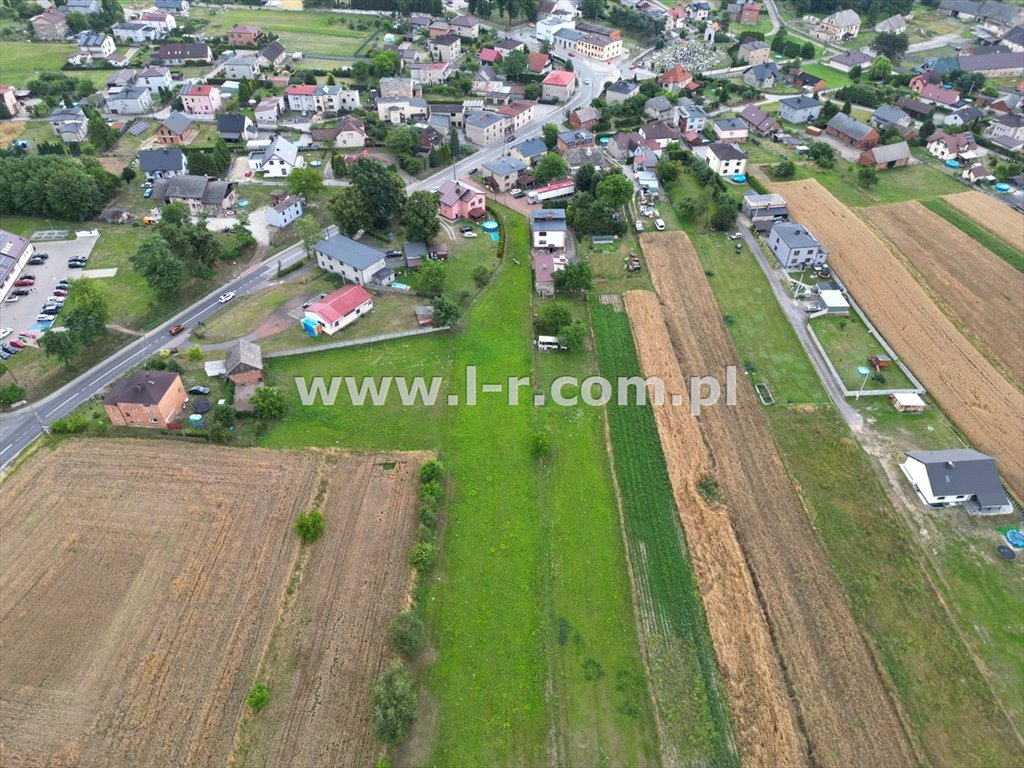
(510, 139)
(38, 255)
(813, 308)
(76, 264)
(5, 332)
(44, 318)
(639, 225)
(12, 299)
(8, 349)
(518, 193)
(148, 193)
(20, 292)
(4, 355)
(659, 224)
(393, 254)
(35, 261)
(734, 235)
(470, 234)
(24, 283)
(17, 343)
(199, 390)
(224, 298)
(174, 330)
(465, 229)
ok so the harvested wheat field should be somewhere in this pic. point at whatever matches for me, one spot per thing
(763, 719)
(998, 218)
(356, 579)
(986, 407)
(974, 287)
(844, 709)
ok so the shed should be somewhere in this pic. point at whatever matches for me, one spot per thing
(244, 363)
(907, 402)
(835, 302)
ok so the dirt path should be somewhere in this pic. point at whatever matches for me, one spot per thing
(843, 706)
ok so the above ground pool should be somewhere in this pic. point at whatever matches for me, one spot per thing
(952, 164)
(1001, 187)
(489, 226)
(739, 178)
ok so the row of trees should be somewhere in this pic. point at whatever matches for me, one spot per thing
(792, 48)
(209, 161)
(54, 186)
(85, 316)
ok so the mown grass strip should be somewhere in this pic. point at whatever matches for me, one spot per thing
(690, 699)
(1012, 256)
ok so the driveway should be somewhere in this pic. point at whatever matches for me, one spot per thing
(257, 225)
(845, 150)
(21, 315)
(239, 167)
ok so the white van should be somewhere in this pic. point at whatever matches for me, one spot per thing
(639, 226)
(659, 224)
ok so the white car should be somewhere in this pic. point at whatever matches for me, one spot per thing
(639, 226)
(226, 297)
(587, 81)
(470, 234)
(659, 224)
(734, 236)
(516, 191)
(5, 332)
(12, 299)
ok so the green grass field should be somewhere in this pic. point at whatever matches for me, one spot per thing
(21, 61)
(849, 345)
(306, 31)
(833, 77)
(1007, 252)
(913, 182)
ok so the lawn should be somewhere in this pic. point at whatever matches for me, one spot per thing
(1012, 256)
(40, 375)
(310, 32)
(833, 77)
(913, 182)
(22, 61)
(608, 263)
(849, 345)
(246, 313)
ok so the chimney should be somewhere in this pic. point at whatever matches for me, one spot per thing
(950, 465)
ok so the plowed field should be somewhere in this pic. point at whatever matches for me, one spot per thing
(763, 720)
(998, 218)
(976, 287)
(986, 407)
(844, 709)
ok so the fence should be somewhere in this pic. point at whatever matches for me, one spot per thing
(354, 342)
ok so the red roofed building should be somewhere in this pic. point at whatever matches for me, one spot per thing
(538, 63)
(489, 55)
(337, 310)
(675, 79)
(300, 98)
(559, 85)
(200, 99)
(939, 96)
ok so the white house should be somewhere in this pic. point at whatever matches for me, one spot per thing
(724, 159)
(954, 477)
(730, 129)
(351, 133)
(242, 68)
(300, 98)
(549, 228)
(267, 112)
(284, 210)
(96, 44)
(794, 247)
(354, 261)
(337, 310)
(162, 163)
(277, 160)
(334, 98)
(131, 101)
(137, 32)
(155, 78)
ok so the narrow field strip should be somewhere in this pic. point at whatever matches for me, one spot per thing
(998, 218)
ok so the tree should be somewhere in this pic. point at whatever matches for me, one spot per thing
(574, 278)
(855, 72)
(573, 336)
(551, 166)
(422, 556)
(847, 107)
(310, 526)
(592, 9)
(128, 174)
(381, 188)
(430, 277)
(384, 63)
(531, 91)
(392, 705)
(258, 698)
(268, 403)
(402, 140)
(11, 393)
(514, 64)
(60, 345)
(549, 132)
(446, 312)
(586, 178)
(822, 154)
(419, 217)
(785, 169)
(306, 182)
(552, 317)
(309, 231)
(666, 170)
(453, 143)
(100, 135)
(724, 218)
(481, 276)
(71, 194)
(867, 177)
(406, 634)
(163, 270)
(880, 69)
(615, 190)
(891, 45)
(87, 310)
(807, 50)
(349, 211)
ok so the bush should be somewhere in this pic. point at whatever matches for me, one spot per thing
(309, 527)
(393, 705)
(540, 446)
(431, 471)
(428, 516)
(71, 424)
(708, 488)
(422, 555)
(11, 393)
(258, 698)
(553, 316)
(430, 491)
(194, 354)
(481, 276)
(406, 634)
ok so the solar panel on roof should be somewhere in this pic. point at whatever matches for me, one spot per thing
(138, 127)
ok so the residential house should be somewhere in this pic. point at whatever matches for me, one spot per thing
(146, 399)
(599, 47)
(549, 26)
(9, 101)
(278, 160)
(284, 209)
(965, 116)
(354, 261)
(399, 110)
(300, 98)
(162, 163)
(978, 174)
(548, 228)
(623, 145)
(947, 146)
(698, 11)
(852, 132)
(243, 364)
(805, 81)
(794, 247)
(1006, 102)
(179, 54)
(538, 63)
(590, 155)
(724, 159)
(197, 192)
(659, 108)
(886, 156)
(744, 13)
(764, 210)
(1010, 125)
(236, 127)
(676, 80)
(572, 139)
(244, 35)
(895, 25)
(334, 98)
(123, 78)
(455, 113)
(939, 96)
(730, 129)
(545, 264)
(130, 101)
(486, 128)
(445, 48)
(755, 52)
(1014, 40)
(692, 117)
(559, 85)
(503, 174)
(163, 21)
(173, 6)
(565, 39)
(960, 476)
(351, 133)
(272, 56)
(841, 25)
(403, 87)
(136, 32)
(999, 64)
(51, 24)
(96, 44)
(339, 309)
(244, 67)
(176, 129)
(88, 7)
(620, 91)
(759, 121)
(200, 99)
(70, 124)
(762, 75)
(1009, 144)
(518, 113)
(507, 45)
(438, 28)
(659, 134)
(916, 109)
(886, 115)
(465, 26)
(15, 251)
(844, 62)
(584, 117)
(460, 200)
(430, 72)
(267, 111)
(529, 151)
(155, 78)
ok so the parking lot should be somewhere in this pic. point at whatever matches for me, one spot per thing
(21, 315)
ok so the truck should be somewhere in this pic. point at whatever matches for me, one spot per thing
(554, 189)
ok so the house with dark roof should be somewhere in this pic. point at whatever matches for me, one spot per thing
(529, 151)
(284, 209)
(851, 131)
(236, 127)
(916, 109)
(886, 115)
(584, 117)
(460, 200)
(759, 121)
(730, 129)
(1010, 125)
(51, 24)
(960, 476)
(658, 108)
(724, 159)
(620, 91)
(939, 96)
(794, 247)
(178, 54)
(162, 163)
(946, 146)
(549, 228)
(799, 109)
(659, 133)
(244, 363)
(197, 192)
(354, 261)
(798, 78)
(146, 399)
(762, 75)
(571, 139)
(844, 62)
(886, 156)
(272, 56)
(502, 174)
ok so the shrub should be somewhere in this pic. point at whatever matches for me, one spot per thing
(430, 491)
(431, 471)
(553, 316)
(422, 555)
(70, 424)
(393, 705)
(194, 354)
(11, 393)
(708, 488)
(481, 276)
(309, 527)
(428, 516)
(258, 697)
(173, 365)
(540, 446)
(406, 634)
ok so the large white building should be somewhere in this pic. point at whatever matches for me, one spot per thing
(354, 261)
(957, 477)
(277, 160)
(549, 228)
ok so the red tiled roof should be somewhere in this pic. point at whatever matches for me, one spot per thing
(338, 304)
(676, 75)
(300, 90)
(559, 77)
(536, 62)
(489, 55)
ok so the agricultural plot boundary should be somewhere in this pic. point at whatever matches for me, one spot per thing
(998, 218)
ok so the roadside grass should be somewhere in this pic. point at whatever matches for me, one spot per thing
(22, 61)
(307, 31)
(848, 345)
(40, 375)
(1006, 251)
(913, 182)
(684, 672)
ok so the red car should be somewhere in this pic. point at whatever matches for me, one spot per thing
(17, 344)
(24, 283)
(59, 292)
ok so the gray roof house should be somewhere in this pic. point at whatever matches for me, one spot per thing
(163, 163)
(197, 192)
(799, 109)
(620, 91)
(886, 115)
(762, 75)
(957, 476)
(692, 117)
(658, 108)
(530, 151)
(235, 127)
(354, 261)
(794, 247)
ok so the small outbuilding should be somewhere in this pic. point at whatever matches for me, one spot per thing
(907, 402)
(835, 302)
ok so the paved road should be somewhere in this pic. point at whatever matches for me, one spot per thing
(21, 427)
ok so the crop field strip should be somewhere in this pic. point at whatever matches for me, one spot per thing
(1011, 254)
(974, 287)
(998, 218)
(763, 719)
(838, 689)
(140, 582)
(687, 685)
(981, 402)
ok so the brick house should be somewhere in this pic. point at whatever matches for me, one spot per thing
(200, 99)
(243, 34)
(146, 399)
(176, 129)
(852, 132)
